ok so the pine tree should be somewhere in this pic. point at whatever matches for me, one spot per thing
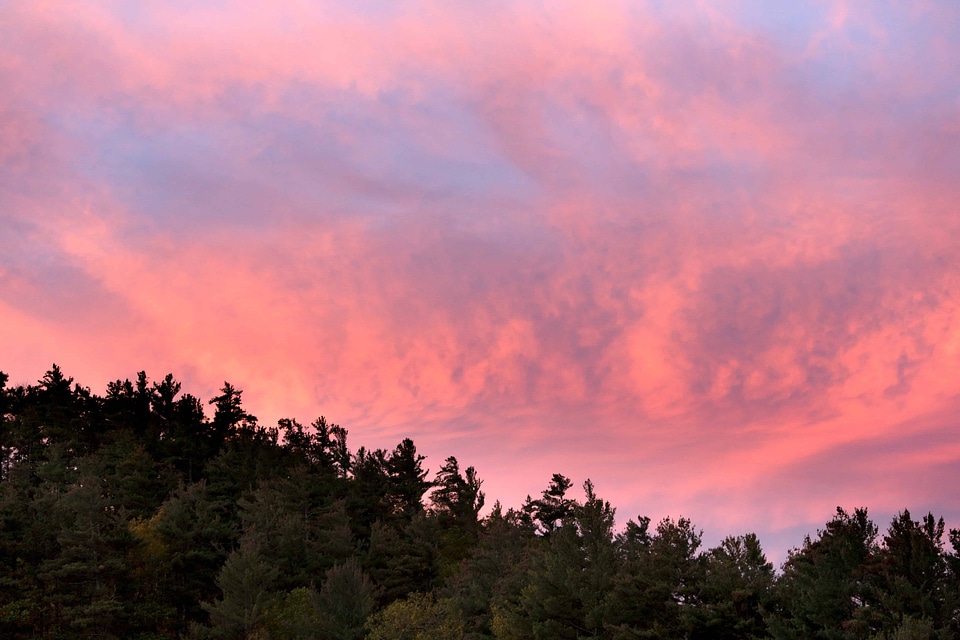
(908, 577)
(456, 503)
(246, 582)
(570, 576)
(553, 506)
(492, 577)
(822, 590)
(736, 584)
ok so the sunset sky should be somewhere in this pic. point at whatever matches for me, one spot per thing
(706, 254)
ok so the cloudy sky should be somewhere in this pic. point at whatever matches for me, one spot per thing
(705, 254)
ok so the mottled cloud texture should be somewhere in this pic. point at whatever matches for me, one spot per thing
(706, 256)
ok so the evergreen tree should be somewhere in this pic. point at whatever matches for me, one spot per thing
(909, 576)
(127, 408)
(456, 498)
(822, 591)
(87, 578)
(492, 577)
(184, 439)
(252, 455)
(408, 482)
(338, 611)
(195, 541)
(295, 615)
(230, 416)
(657, 592)
(403, 560)
(295, 524)
(133, 516)
(246, 582)
(737, 582)
(367, 493)
(323, 450)
(569, 579)
(386, 487)
(456, 504)
(552, 508)
(345, 601)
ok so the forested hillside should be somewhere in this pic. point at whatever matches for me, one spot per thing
(137, 515)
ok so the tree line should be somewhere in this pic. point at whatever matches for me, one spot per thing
(136, 515)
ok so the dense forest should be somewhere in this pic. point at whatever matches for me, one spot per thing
(135, 515)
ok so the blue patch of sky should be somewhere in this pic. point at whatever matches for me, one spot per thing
(792, 27)
(790, 24)
(850, 57)
(33, 262)
(133, 14)
(60, 289)
(379, 9)
(349, 156)
(179, 175)
(139, 15)
(429, 147)
(594, 151)
(22, 247)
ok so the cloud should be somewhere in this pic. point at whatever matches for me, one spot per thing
(698, 256)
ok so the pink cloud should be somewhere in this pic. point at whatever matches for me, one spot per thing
(670, 253)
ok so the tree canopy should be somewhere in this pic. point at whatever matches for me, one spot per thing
(136, 515)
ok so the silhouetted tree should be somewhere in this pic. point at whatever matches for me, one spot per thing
(456, 504)
(493, 575)
(908, 578)
(570, 575)
(133, 515)
(246, 583)
(737, 581)
(550, 510)
(822, 591)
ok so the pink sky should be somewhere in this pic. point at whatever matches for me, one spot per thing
(707, 258)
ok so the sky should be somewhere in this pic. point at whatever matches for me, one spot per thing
(705, 254)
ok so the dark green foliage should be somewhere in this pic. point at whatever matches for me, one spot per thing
(494, 574)
(552, 508)
(735, 590)
(294, 524)
(187, 543)
(323, 450)
(824, 588)
(86, 578)
(408, 481)
(133, 515)
(184, 439)
(657, 591)
(457, 501)
(338, 611)
(248, 453)
(909, 579)
(367, 494)
(230, 416)
(570, 575)
(296, 615)
(386, 487)
(246, 582)
(401, 560)
(345, 601)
